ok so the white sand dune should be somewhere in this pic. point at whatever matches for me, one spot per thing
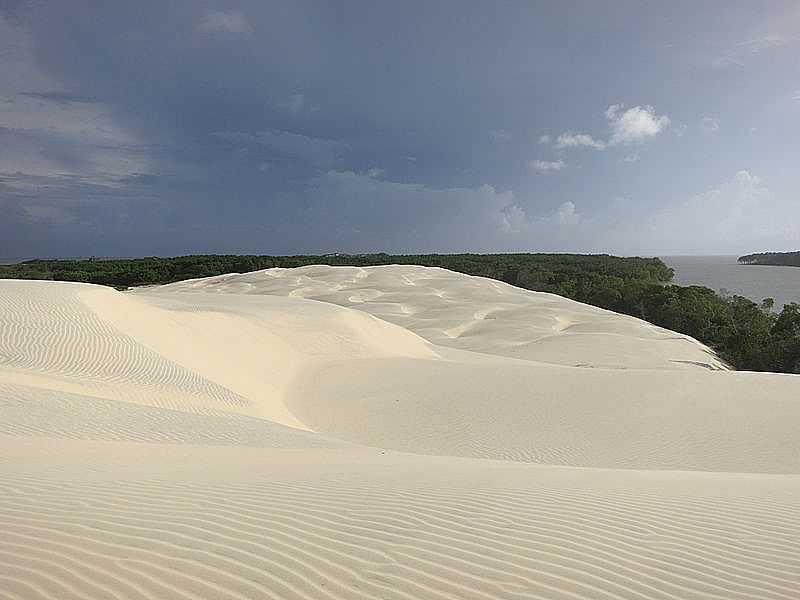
(387, 432)
(477, 314)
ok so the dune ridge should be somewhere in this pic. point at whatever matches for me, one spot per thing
(382, 432)
(475, 313)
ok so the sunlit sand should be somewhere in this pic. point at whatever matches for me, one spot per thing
(382, 432)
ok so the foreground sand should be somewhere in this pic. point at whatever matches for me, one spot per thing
(389, 432)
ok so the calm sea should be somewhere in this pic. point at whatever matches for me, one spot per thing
(723, 273)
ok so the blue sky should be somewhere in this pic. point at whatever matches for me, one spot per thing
(632, 127)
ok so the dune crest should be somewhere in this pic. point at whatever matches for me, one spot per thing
(398, 432)
(478, 314)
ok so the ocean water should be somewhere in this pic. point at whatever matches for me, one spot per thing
(723, 273)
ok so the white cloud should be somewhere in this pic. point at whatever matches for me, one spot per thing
(547, 166)
(738, 215)
(371, 212)
(566, 214)
(318, 151)
(709, 124)
(764, 42)
(50, 215)
(78, 120)
(513, 220)
(231, 22)
(500, 136)
(634, 125)
(576, 140)
(357, 211)
(737, 55)
(294, 103)
(516, 222)
(796, 96)
(729, 60)
(631, 158)
(544, 139)
(298, 103)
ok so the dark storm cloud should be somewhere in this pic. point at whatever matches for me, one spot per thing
(144, 127)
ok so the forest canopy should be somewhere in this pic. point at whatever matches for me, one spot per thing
(747, 335)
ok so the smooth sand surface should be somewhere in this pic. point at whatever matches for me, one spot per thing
(387, 432)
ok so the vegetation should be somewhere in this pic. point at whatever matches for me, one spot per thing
(780, 259)
(551, 272)
(745, 334)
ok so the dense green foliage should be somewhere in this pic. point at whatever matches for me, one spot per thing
(534, 271)
(745, 334)
(780, 259)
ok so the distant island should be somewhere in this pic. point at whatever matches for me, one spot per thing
(778, 259)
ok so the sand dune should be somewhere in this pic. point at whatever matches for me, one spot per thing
(477, 314)
(388, 432)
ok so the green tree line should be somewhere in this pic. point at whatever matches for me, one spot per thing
(746, 335)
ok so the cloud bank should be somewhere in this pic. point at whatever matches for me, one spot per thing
(253, 126)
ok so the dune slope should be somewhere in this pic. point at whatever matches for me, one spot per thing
(389, 432)
(475, 313)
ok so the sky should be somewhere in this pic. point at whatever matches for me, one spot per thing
(197, 126)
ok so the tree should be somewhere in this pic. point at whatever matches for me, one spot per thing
(785, 340)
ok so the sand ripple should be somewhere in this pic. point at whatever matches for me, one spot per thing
(389, 432)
